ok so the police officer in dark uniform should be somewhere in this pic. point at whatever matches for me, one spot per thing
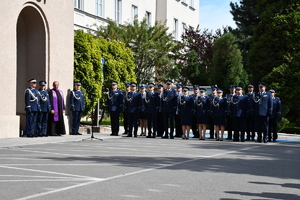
(160, 117)
(124, 110)
(114, 105)
(194, 117)
(77, 107)
(210, 111)
(202, 105)
(273, 121)
(151, 105)
(42, 118)
(186, 108)
(178, 128)
(169, 106)
(32, 107)
(133, 105)
(240, 106)
(262, 111)
(229, 120)
(250, 120)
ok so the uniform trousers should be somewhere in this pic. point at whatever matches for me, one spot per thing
(114, 118)
(41, 124)
(152, 123)
(250, 127)
(229, 124)
(211, 126)
(261, 124)
(160, 124)
(133, 123)
(273, 127)
(30, 122)
(76, 117)
(168, 116)
(194, 126)
(239, 127)
(178, 127)
(125, 116)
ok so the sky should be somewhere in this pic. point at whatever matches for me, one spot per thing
(215, 13)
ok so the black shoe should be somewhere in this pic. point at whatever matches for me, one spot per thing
(149, 136)
(78, 133)
(135, 136)
(258, 141)
(165, 137)
(242, 140)
(210, 138)
(235, 140)
(274, 140)
(112, 134)
(265, 141)
(58, 134)
(153, 136)
(269, 140)
(124, 133)
(45, 135)
(247, 139)
(228, 138)
(171, 137)
(128, 136)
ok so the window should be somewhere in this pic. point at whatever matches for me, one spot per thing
(183, 28)
(78, 4)
(192, 3)
(134, 12)
(118, 11)
(99, 8)
(175, 29)
(148, 17)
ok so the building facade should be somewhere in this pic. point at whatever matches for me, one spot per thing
(36, 41)
(177, 14)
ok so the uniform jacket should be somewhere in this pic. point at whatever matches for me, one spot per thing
(152, 102)
(263, 104)
(210, 99)
(277, 107)
(143, 107)
(186, 105)
(44, 101)
(202, 105)
(169, 100)
(229, 98)
(219, 107)
(240, 106)
(160, 104)
(251, 97)
(77, 101)
(114, 100)
(134, 102)
(32, 100)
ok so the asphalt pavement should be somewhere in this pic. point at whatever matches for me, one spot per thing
(145, 168)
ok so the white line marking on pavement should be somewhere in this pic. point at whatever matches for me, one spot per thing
(131, 173)
(48, 172)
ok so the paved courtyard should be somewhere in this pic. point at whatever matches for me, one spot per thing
(140, 168)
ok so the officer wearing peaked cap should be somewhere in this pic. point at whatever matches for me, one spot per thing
(32, 107)
(151, 104)
(160, 117)
(250, 120)
(42, 118)
(125, 114)
(229, 120)
(114, 104)
(273, 121)
(202, 106)
(194, 117)
(169, 106)
(210, 111)
(77, 107)
(178, 129)
(133, 105)
(262, 111)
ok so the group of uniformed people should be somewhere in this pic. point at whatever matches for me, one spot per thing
(45, 109)
(244, 115)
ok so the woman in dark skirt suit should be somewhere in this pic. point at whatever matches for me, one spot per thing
(185, 107)
(202, 106)
(219, 106)
(142, 113)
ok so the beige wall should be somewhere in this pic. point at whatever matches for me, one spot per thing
(44, 31)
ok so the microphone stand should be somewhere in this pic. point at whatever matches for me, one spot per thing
(92, 136)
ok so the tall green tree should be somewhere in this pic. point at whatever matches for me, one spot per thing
(96, 78)
(246, 16)
(227, 62)
(197, 45)
(151, 46)
(275, 56)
